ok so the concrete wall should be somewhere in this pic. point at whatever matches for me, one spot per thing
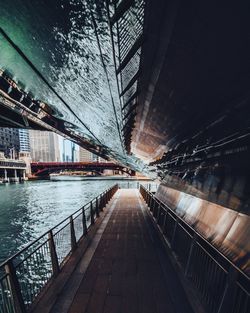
(225, 228)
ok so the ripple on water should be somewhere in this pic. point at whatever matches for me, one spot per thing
(28, 210)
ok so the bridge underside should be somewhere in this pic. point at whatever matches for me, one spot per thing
(44, 169)
(179, 99)
(175, 94)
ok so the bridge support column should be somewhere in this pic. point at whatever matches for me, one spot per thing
(6, 179)
(15, 176)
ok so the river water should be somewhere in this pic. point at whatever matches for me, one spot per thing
(29, 209)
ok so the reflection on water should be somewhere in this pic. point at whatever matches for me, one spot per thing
(28, 210)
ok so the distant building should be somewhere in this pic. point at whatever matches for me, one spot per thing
(97, 158)
(44, 146)
(24, 140)
(9, 142)
(85, 155)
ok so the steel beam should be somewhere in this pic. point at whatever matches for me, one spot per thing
(129, 112)
(130, 100)
(130, 84)
(138, 43)
(121, 9)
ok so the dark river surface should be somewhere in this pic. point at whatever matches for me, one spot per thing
(29, 209)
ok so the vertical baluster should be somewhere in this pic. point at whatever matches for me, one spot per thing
(174, 232)
(96, 208)
(154, 209)
(165, 221)
(229, 292)
(103, 200)
(53, 254)
(106, 199)
(84, 222)
(101, 203)
(158, 214)
(72, 234)
(191, 249)
(150, 201)
(152, 206)
(14, 287)
(92, 217)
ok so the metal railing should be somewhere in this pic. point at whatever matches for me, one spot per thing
(24, 275)
(151, 186)
(221, 285)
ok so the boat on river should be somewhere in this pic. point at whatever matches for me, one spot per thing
(78, 176)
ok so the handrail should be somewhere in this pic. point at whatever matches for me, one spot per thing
(44, 234)
(222, 285)
(28, 271)
(199, 235)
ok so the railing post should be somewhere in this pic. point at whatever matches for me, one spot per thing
(229, 292)
(152, 205)
(106, 198)
(92, 218)
(101, 203)
(96, 208)
(72, 234)
(84, 222)
(174, 232)
(187, 269)
(149, 200)
(165, 221)
(158, 213)
(53, 254)
(15, 287)
(155, 208)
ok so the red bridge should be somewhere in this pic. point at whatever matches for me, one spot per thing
(45, 168)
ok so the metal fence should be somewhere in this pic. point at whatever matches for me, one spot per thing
(23, 276)
(222, 287)
(151, 186)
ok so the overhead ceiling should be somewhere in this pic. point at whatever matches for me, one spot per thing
(163, 82)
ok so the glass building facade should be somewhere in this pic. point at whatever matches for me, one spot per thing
(9, 142)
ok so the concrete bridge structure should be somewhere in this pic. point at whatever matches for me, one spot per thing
(12, 170)
(162, 87)
(42, 169)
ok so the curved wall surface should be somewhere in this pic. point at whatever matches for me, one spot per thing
(226, 229)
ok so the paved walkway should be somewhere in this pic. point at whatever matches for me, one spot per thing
(125, 274)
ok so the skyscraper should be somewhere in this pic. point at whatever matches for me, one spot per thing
(85, 155)
(44, 146)
(24, 140)
(9, 142)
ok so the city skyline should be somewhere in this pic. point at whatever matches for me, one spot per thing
(42, 146)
